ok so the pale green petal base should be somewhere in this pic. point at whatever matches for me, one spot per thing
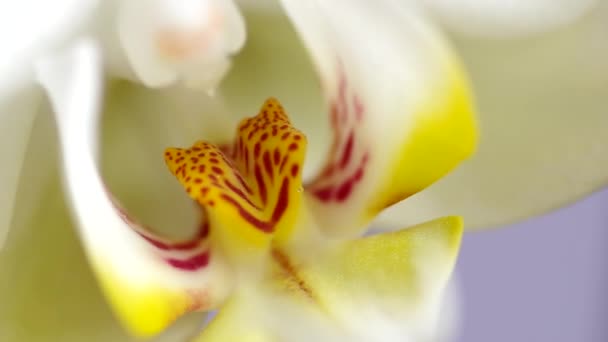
(137, 125)
(17, 115)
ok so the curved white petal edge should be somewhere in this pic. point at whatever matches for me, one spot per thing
(30, 28)
(500, 18)
(73, 82)
(127, 265)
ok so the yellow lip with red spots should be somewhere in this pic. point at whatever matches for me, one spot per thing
(250, 191)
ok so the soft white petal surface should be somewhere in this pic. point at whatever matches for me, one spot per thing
(191, 41)
(504, 18)
(394, 91)
(30, 28)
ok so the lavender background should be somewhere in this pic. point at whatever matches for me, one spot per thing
(545, 279)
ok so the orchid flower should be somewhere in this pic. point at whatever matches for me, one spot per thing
(308, 266)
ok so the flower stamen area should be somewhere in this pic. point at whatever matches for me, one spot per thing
(251, 190)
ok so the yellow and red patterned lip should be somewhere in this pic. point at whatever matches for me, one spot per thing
(250, 190)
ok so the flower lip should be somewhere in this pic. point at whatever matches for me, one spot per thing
(250, 190)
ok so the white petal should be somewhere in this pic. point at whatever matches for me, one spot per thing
(31, 27)
(398, 102)
(149, 281)
(47, 289)
(191, 41)
(507, 17)
(542, 112)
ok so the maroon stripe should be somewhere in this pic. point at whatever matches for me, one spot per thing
(247, 216)
(240, 193)
(283, 163)
(156, 243)
(348, 151)
(202, 233)
(277, 156)
(324, 194)
(261, 185)
(243, 183)
(282, 201)
(191, 264)
(268, 165)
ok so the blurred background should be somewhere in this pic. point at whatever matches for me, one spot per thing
(545, 279)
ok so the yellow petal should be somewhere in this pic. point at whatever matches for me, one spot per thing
(380, 288)
(394, 278)
(238, 320)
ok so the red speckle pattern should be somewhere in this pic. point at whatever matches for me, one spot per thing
(349, 154)
(258, 177)
(250, 176)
